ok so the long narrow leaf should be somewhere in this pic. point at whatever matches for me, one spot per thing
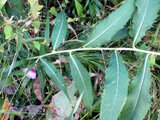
(115, 90)
(105, 30)
(18, 47)
(79, 8)
(82, 81)
(59, 30)
(41, 78)
(144, 18)
(55, 76)
(2, 3)
(139, 98)
(47, 28)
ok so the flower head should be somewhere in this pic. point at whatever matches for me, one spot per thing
(31, 74)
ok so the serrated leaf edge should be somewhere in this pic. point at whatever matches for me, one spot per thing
(117, 81)
(58, 34)
(105, 29)
(52, 72)
(135, 38)
(144, 71)
(80, 75)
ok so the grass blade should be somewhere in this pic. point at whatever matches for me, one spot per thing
(41, 78)
(47, 30)
(75, 107)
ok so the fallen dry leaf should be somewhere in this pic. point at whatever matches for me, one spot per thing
(19, 112)
(37, 89)
(53, 112)
(10, 90)
(33, 110)
(72, 29)
(54, 86)
(6, 107)
(56, 111)
(60, 106)
(28, 111)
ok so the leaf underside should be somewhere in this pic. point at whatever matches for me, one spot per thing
(105, 30)
(144, 18)
(115, 90)
(139, 98)
(82, 81)
(59, 30)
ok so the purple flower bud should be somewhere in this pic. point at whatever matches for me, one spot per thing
(31, 74)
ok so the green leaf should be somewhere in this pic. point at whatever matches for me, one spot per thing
(18, 47)
(36, 25)
(115, 90)
(2, 3)
(35, 8)
(82, 81)
(47, 30)
(115, 2)
(15, 8)
(59, 30)
(53, 11)
(24, 84)
(105, 30)
(41, 78)
(79, 8)
(55, 75)
(91, 9)
(122, 33)
(144, 18)
(8, 31)
(139, 98)
(152, 60)
(37, 45)
(1, 48)
(99, 4)
(1, 103)
(5, 83)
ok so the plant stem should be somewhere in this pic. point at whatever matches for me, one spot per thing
(89, 49)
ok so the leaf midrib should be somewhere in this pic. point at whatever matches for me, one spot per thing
(58, 34)
(106, 29)
(80, 76)
(52, 72)
(144, 72)
(117, 87)
(139, 29)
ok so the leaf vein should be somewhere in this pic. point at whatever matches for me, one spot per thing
(52, 72)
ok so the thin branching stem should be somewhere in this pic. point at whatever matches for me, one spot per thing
(90, 49)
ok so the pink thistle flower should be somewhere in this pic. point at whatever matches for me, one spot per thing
(31, 74)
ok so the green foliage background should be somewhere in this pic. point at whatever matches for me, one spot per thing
(107, 50)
